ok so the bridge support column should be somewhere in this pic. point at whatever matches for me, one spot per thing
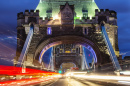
(82, 64)
(51, 64)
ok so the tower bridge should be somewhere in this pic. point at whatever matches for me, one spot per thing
(67, 28)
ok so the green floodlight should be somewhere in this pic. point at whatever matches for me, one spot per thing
(90, 6)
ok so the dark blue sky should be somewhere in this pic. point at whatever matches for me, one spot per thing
(8, 23)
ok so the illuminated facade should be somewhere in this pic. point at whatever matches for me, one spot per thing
(58, 22)
(51, 8)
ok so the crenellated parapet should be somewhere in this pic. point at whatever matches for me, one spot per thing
(106, 16)
(27, 17)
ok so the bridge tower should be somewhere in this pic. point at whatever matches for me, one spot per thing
(71, 23)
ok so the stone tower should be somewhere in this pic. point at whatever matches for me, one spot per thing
(58, 22)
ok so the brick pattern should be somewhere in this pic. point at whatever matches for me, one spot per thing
(40, 30)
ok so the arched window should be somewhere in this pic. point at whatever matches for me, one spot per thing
(77, 50)
(85, 31)
(49, 31)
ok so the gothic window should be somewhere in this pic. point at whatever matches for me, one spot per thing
(84, 15)
(49, 31)
(85, 31)
(85, 12)
(76, 50)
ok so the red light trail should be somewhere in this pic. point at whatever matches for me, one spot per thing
(31, 76)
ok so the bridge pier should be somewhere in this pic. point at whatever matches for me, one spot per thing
(84, 61)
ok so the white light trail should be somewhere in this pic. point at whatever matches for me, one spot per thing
(125, 72)
(103, 77)
(124, 82)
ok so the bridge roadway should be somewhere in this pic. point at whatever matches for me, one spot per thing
(81, 82)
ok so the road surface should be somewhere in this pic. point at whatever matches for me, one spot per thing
(81, 82)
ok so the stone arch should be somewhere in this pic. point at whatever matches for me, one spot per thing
(46, 44)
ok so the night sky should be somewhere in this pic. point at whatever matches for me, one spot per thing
(8, 24)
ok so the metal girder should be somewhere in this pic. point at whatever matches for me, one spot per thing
(110, 49)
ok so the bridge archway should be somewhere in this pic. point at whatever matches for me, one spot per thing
(67, 65)
(46, 44)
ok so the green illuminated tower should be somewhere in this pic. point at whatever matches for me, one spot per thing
(82, 8)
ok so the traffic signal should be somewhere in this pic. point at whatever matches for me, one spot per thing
(60, 71)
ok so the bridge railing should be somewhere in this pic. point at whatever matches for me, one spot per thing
(26, 46)
(110, 49)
